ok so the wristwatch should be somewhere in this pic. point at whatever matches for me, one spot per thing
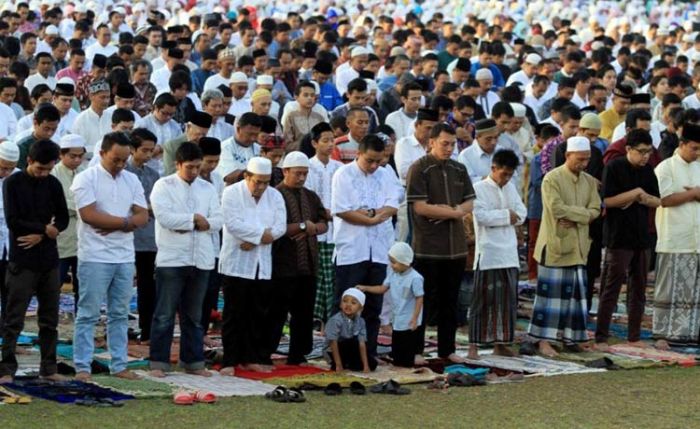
(371, 212)
(302, 227)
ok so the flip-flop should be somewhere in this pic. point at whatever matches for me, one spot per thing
(604, 362)
(333, 389)
(204, 397)
(109, 402)
(277, 395)
(394, 388)
(463, 380)
(295, 395)
(183, 398)
(13, 398)
(357, 388)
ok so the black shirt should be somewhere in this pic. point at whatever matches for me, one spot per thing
(668, 145)
(629, 228)
(30, 205)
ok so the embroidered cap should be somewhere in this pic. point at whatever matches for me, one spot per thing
(98, 86)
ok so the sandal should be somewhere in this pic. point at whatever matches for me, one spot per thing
(391, 387)
(357, 388)
(183, 398)
(333, 389)
(463, 380)
(204, 397)
(294, 395)
(277, 395)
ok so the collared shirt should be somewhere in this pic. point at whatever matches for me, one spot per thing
(477, 162)
(245, 220)
(112, 195)
(488, 101)
(329, 96)
(353, 189)
(239, 107)
(408, 150)
(68, 239)
(343, 76)
(96, 48)
(160, 79)
(575, 198)
(36, 79)
(169, 150)
(297, 124)
(220, 129)
(435, 181)
(235, 157)
(320, 180)
(8, 125)
(214, 81)
(520, 77)
(402, 124)
(340, 327)
(145, 237)
(678, 227)
(175, 202)
(164, 132)
(404, 288)
(90, 125)
(496, 239)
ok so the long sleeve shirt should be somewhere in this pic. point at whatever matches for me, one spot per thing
(175, 202)
(30, 204)
(68, 239)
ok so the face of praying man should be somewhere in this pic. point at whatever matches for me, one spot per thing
(501, 175)
(189, 170)
(443, 146)
(257, 183)
(295, 177)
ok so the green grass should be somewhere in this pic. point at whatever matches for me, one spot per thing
(659, 398)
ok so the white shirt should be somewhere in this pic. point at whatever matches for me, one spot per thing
(160, 79)
(246, 220)
(534, 103)
(408, 150)
(174, 203)
(402, 124)
(496, 239)
(158, 63)
(36, 79)
(89, 125)
(96, 48)
(235, 157)
(678, 227)
(239, 107)
(477, 161)
(220, 129)
(655, 132)
(214, 81)
(8, 124)
(352, 189)
(343, 77)
(320, 180)
(488, 101)
(107, 115)
(578, 101)
(692, 101)
(519, 76)
(112, 195)
(64, 126)
(164, 132)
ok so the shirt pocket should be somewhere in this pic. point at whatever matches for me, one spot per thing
(565, 240)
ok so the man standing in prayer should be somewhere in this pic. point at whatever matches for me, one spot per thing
(570, 203)
(197, 127)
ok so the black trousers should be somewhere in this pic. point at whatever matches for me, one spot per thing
(350, 356)
(146, 286)
(21, 285)
(71, 264)
(246, 321)
(363, 273)
(294, 296)
(3, 297)
(211, 299)
(442, 280)
(405, 345)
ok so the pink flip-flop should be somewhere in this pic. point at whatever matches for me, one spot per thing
(204, 397)
(183, 398)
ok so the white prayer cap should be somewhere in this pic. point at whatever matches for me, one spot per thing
(80, 8)
(51, 30)
(264, 79)
(358, 50)
(397, 50)
(597, 45)
(355, 293)
(65, 80)
(9, 151)
(238, 77)
(69, 141)
(578, 144)
(484, 74)
(259, 165)
(519, 110)
(296, 159)
(402, 253)
(533, 59)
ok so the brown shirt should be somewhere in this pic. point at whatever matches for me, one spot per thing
(438, 182)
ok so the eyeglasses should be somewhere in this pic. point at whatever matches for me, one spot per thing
(644, 152)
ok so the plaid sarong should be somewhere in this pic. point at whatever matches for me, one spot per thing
(494, 306)
(325, 282)
(677, 297)
(560, 309)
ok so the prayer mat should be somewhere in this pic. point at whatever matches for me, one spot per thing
(619, 330)
(478, 373)
(686, 349)
(280, 371)
(25, 339)
(319, 381)
(681, 359)
(64, 392)
(100, 356)
(222, 386)
(317, 350)
(140, 389)
(623, 362)
(529, 365)
(384, 373)
(143, 351)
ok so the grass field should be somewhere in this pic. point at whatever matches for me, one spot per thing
(658, 398)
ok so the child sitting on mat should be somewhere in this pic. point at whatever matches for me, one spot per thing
(346, 335)
(405, 286)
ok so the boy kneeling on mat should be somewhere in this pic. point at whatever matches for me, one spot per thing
(406, 288)
(346, 335)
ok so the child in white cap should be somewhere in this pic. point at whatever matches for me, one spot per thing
(346, 335)
(405, 286)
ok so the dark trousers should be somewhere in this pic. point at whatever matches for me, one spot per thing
(178, 289)
(3, 297)
(21, 285)
(211, 299)
(349, 350)
(621, 264)
(71, 264)
(246, 321)
(363, 273)
(294, 296)
(442, 278)
(405, 345)
(593, 264)
(146, 287)
(533, 229)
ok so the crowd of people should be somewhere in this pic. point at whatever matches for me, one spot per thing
(375, 169)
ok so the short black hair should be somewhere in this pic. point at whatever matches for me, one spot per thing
(635, 115)
(638, 136)
(441, 128)
(44, 151)
(442, 102)
(502, 108)
(250, 118)
(371, 142)
(115, 138)
(319, 129)
(179, 79)
(357, 85)
(304, 84)
(122, 115)
(47, 112)
(188, 151)
(570, 112)
(7, 82)
(166, 99)
(140, 135)
(505, 158)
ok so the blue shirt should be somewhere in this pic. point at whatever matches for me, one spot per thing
(498, 81)
(340, 327)
(330, 97)
(534, 193)
(200, 76)
(404, 288)
(601, 144)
